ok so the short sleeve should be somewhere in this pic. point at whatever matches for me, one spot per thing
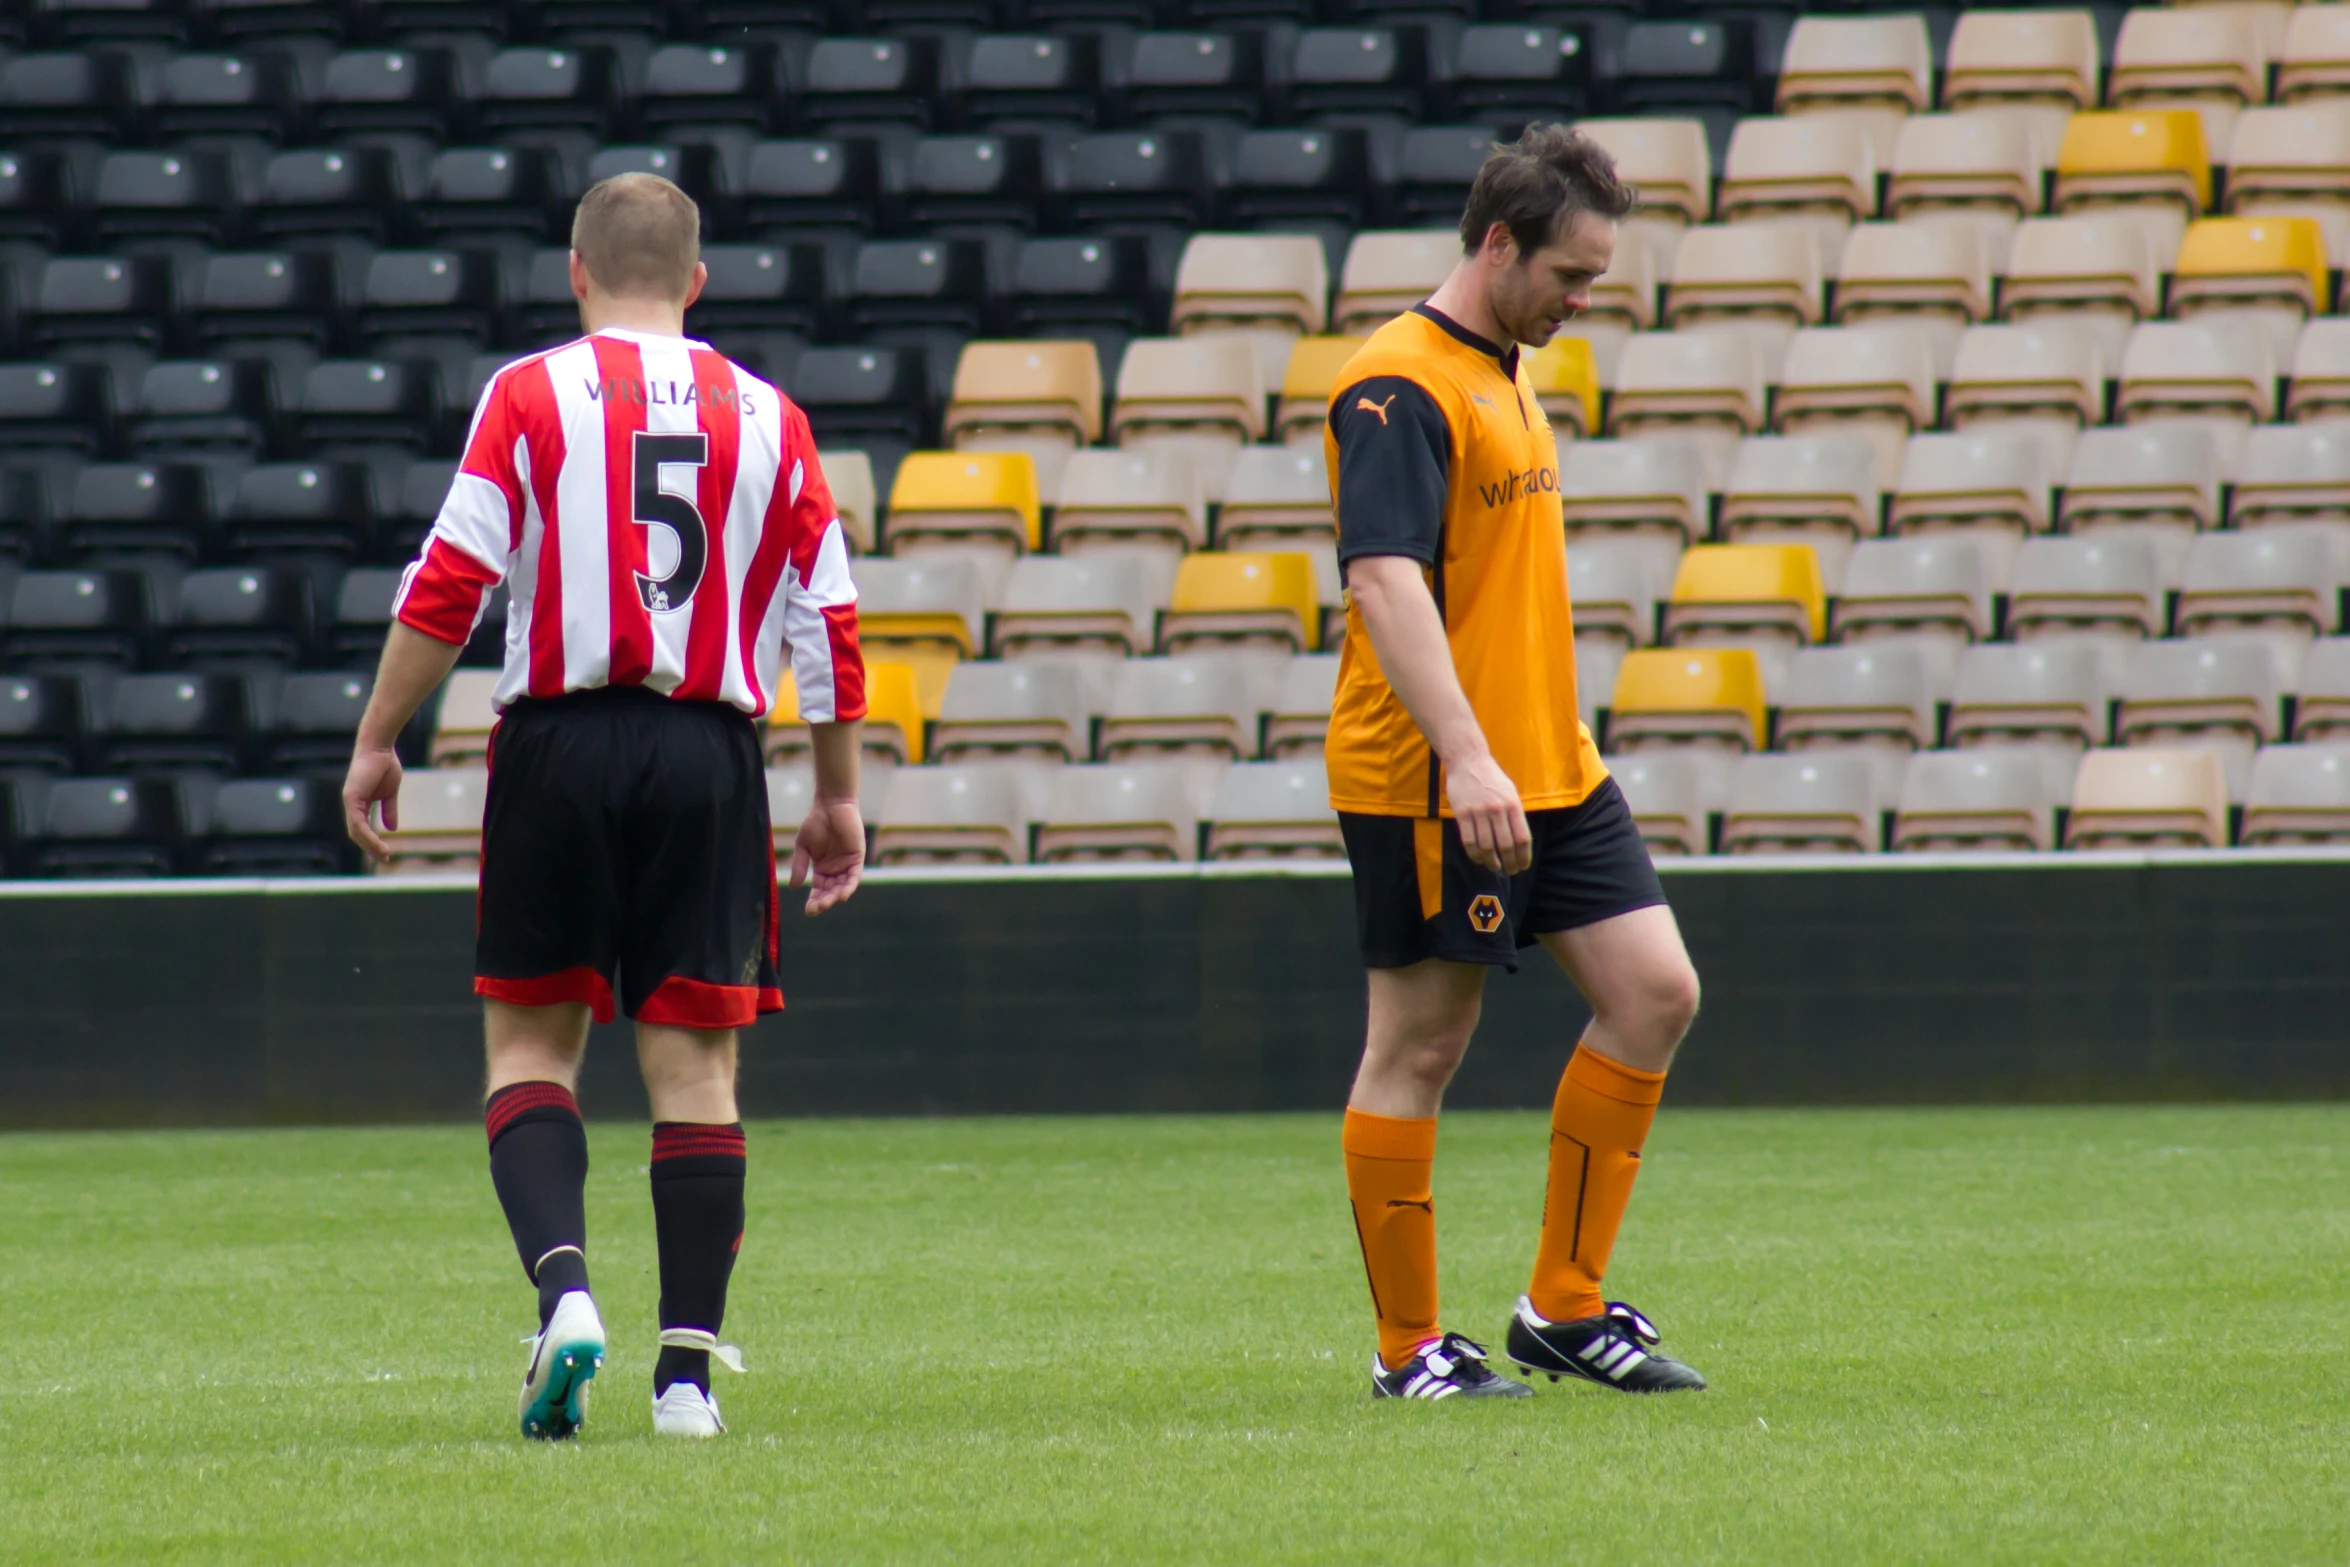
(1394, 457)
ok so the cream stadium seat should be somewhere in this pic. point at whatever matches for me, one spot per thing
(928, 614)
(2149, 798)
(2320, 382)
(1990, 487)
(1276, 496)
(1038, 708)
(1930, 593)
(1148, 812)
(2281, 584)
(1598, 660)
(1243, 600)
(2042, 62)
(849, 475)
(1147, 502)
(1820, 170)
(1815, 490)
(1875, 381)
(2049, 696)
(2152, 166)
(967, 814)
(2300, 794)
(1388, 271)
(2323, 711)
(1981, 166)
(1614, 585)
(1874, 702)
(1565, 377)
(2267, 273)
(1825, 804)
(1707, 697)
(892, 731)
(1102, 603)
(1932, 273)
(1307, 381)
(1667, 160)
(1274, 811)
(1976, 802)
(2107, 592)
(1202, 395)
(978, 506)
(440, 821)
(2098, 272)
(2209, 58)
(2149, 482)
(2213, 691)
(1043, 398)
(2314, 63)
(2045, 379)
(1707, 386)
(2294, 473)
(1650, 492)
(1766, 597)
(2294, 161)
(1758, 278)
(1269, 288)
(1299, 720)
(1880, 63)
(1674, 796)
(462, 723)
(2178, 375)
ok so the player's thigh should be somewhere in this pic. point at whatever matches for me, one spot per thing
(689, 1072)
(1431, 1006)
(700, 899)
(1633, 969)
(550, 892)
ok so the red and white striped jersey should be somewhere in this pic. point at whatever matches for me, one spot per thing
(658, 518)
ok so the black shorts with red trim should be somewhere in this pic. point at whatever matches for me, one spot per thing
(1418, 895)
(625, 844)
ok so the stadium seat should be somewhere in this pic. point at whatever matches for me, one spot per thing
(1875, 702)
(1282, 179)
(100, 299)
(1204, 396)
(2048, 696)
(2219, 692)
(1097, 286)
(273, 827)
(974, 180)
(1673, 795)
(362, 615)
(275, 294)
(398, 89)
(1651, 492)
(812, 182)
(849, 475)
(1389, 271)
(1434, 166)
(2299, 794)
(2044, 63)
(1031, 77)
(239, 617)
(929, 614)
(2180, 375)
(893, 726)
(1989, 487)
(174, 722)
(413, 291)
(1565, 376)
(2322, 712)
(2152, 166)
(1670, 697)
(1816, 491)
(1277, 810)
(1272, 288)
(2044, 378)
(322, 506)
(1877, 63)
(1763, 596)
(316, 721)
(923, 289)
(969, 814)
(1874, 381)
(966, 504)
(1299, 720)
(1120, 812)
(1042, 398)
(1762, 279)
(2281, 584)
(1624, 298)
(1823, 804)
(464, 719)
(1356, 70)
(2211, 59)
(55, 406)
(106, 827)
(352, 190)
(1668, 160)
(708, 86)
(2314, 62)
(1131, 177)
(1929, 272)
(2319, 387)
(2097, 271)
(1703, 385)
(2268, 273)
(150, 508)
(2158, 484)
(179, 194)
(67, 93)
(75, 618)
(871, 79)
(1146, 502)
(440, 822)
(1689, 64)
(390, 402)
(1038, 708)
(2107, 591)
(1930, 593)
(1245, 600)
(1980, 167)
(1100, 603)
(42, 720)
(2297, 473)
(204, 405)
(764, 288)
(1819, 170)
(2294, 162)
(2149, 797)
(491, 191)
(1306, 384)
(877, 398)
(1613, 583)
(1196, 706)
(1193, 73)
(1275, 496)
(1976, 801)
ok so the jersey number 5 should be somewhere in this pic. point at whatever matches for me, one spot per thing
(656, 507)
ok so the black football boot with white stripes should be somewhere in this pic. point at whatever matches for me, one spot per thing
(1615, 1349)
(1452, 1367)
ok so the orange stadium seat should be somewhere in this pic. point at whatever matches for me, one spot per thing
(2269, 273)
(1875, 381)
(1275, 496)
(2044, 63)
(1040, 397)
(1976, 801)
(1673, 796)
(1274, 811)
(2051, 697)
(1817, 169)
(1243, 599)
(1299, 721)
(2152, 166)
(1146, 501)
(2300, 794)
(440, 821)
(1097, 603)
(1204, 395)
(1115, 812)
(1819, 491)
(2314, 63)
(2156, 484)
(1981, 166)
(971, 814)
(462, 724)
(976, 505)
(1667, 160)
(2099, 272)
(2215, 691)
(1566, 385)
(1988, 488)
(849, 475)
(1388, 271)
(1808, 804)
(1037, 708)
(1306, 384)
(1204, 705)
(2294, 161)
(893, 717)
(2042, 378)
(1704, 385)
(1709, 697)
(1651, 493)
(2209, 58)
(1931, 593)
(2149, 798)
(1933, 273)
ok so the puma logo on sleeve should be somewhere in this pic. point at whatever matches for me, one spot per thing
(1378, 408)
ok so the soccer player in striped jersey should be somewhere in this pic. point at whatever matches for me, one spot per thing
(659, 521)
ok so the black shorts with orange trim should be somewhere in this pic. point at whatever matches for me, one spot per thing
(625, 846)
(1418, 895)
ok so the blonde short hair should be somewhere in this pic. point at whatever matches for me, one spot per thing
(639, 236)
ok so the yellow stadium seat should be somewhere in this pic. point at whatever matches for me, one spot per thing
(976, 504)
(440, 822)
(1566, 384)
(2151, 165)
(1744, 591)
(893, 716)
(1042, 398)
(2268, 273)
(1224, 598)
(2149, 797)
(1667, 160)
(849, 475)
(461, 728)
(1306, 386)
(2294, 161)
(1666, 697)
(2314, 63)
(1389, 271)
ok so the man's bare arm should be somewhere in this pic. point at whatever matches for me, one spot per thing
(1416, 657)
(831, 844)
(413, 665)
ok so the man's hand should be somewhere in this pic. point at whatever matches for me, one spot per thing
(374, 776)
(1493, 823)
(832, 845)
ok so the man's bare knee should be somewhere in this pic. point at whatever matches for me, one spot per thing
(1655, 1006)
(533, 1044)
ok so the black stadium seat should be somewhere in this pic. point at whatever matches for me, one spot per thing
(390, 90)
(436, 291)
(1433, 171)
(759, 287)
(174, 722)
(920, 283)
(1031, 78)
(50, 405)
(105, 827)
(413, 510)
(240, 617)
(205, 405)
(1377, 70)
(41, 721)
(376, 401)
(84, 299)
(1293, 176)
(872, 79)
(329, 190)
(68, 93)
(710, 84)
(1194, 73)
(1520, 71)
(266, 293)
(326, 506)
(273, 827)
(37, 198)
(575, 87)
(252, 94)
(276, 21)
(71, 618)
(771, 356)
(148, 507)
(832, 181)
(363, 615)
(689, 168)
(1132, 177)
(853, 393)
(75, 23)
(1080, 282)
(317, 717)
(975, 179)
(1689, 64)
(512, 190)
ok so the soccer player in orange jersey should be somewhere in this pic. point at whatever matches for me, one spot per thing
(1476, 811)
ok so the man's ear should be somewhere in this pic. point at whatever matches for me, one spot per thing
(1500, 247)
(579, 278)
(693, 290)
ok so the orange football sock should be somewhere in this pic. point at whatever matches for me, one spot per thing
(1388, 1165)
(1597, 1124)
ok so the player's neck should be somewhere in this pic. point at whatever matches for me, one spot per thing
(1461, 297)
(653, 317)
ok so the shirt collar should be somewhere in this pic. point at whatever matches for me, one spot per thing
(1507, 361)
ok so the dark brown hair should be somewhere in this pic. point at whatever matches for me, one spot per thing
(639, 235)
(1538, 183)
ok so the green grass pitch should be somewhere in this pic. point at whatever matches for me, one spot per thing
(2035, 1336)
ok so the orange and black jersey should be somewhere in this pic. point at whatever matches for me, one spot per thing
(1439, 452)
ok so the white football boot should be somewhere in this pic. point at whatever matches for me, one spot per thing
(684, 1409)
(563, 1359)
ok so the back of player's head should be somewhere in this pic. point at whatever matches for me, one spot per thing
(1539, 184)
(639, 237)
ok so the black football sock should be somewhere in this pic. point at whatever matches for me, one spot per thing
(539, 1164)
(698, 1220)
